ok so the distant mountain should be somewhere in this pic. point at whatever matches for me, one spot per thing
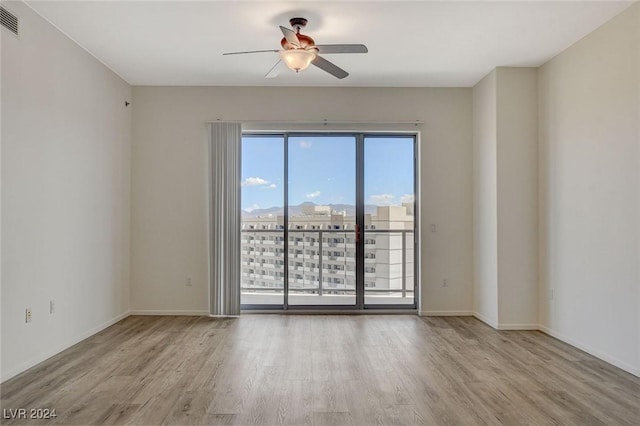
(271, 211)
(349, 210)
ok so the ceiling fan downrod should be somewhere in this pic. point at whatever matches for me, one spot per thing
(298, 23)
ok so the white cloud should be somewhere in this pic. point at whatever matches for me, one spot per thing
(272, 186)
(381, 199)
(305, 144)
(254, 181)
(313, 194)
(252, 208)
(407, 198)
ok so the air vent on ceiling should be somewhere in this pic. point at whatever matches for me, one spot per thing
(9, 20)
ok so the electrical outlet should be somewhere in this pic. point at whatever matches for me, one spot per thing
(27, 317)
(52, 306)
(187, 282)
(445, 283)
(433, 227)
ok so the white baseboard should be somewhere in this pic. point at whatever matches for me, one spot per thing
(490, 323)
(445, 313)
(170, 313)
(605, 357)
(588, 349)
(518, 327)
(59, 348)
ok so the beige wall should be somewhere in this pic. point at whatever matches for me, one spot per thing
(590, 192)
(169, 223)
(485, 201)
(517, 188)
(65, 193)
(505, 196)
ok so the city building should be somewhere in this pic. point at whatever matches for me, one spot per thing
(322, 252)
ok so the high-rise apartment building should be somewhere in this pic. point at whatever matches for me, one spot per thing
(321, 254)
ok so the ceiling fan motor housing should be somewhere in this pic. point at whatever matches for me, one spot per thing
(298, 23)
(305, 41)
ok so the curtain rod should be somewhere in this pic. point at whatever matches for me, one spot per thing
(324, 122)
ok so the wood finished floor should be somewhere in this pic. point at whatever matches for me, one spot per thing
(323, 370)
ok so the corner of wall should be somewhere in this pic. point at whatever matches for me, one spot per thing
(66, 147)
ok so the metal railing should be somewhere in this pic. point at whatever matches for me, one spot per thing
(322, 287)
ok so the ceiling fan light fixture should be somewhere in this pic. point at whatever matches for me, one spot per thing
(297, 59)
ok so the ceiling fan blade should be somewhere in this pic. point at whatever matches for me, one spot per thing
(250, 51)
(329, 67)
(291, 36)
(275, 70)
(341, 48)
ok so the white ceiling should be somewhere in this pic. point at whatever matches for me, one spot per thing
(412, 43)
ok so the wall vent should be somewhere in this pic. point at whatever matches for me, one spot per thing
(9, 20)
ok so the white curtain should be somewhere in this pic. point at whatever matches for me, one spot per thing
(224, 218)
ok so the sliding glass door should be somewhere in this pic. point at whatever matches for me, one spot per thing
(321, 220)
(389, 188)
(327, 221)
(262, 260)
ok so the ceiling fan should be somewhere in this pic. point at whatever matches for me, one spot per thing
(299, 51)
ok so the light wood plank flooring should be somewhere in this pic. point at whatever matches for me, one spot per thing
(323, 370)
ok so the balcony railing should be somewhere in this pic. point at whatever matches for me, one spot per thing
(347, 247)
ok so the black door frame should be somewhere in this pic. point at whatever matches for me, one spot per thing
(360, 305)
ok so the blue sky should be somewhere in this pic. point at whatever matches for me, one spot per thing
(322, 170)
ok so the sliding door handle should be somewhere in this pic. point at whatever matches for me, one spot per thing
(357, 233)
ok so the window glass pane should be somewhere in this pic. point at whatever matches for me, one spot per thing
(322, 181)
(389, 220)
(262, 269)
